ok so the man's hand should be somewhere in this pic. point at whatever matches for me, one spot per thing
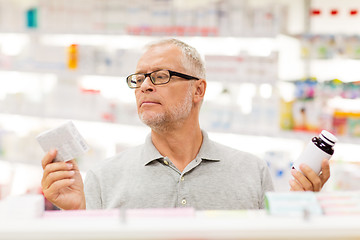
(309, 180)
(62, 183)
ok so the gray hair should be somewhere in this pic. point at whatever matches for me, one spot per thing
(191, 59)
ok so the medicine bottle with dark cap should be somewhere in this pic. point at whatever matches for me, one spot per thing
(318, 148)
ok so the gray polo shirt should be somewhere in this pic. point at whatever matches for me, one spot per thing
(218, 178)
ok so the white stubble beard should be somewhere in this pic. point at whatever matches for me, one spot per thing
(171, 119)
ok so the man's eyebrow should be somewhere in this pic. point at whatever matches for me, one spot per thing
(153, 70)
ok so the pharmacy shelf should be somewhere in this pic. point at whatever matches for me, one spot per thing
(216, 225)
(334, 68)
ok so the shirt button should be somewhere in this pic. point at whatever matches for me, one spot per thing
(183, 202)
(182, 178)
(166, 162)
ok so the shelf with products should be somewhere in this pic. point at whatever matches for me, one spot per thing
(331, 56)
(187, 223)
(113, 55)
(328, 97)
(169, 17)
(333, 105)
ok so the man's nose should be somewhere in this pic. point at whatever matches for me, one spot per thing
(147, 85)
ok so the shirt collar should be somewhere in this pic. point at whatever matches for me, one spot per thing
(150, 152)
(207, 150)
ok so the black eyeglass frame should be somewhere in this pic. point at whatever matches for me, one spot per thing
(171, 73)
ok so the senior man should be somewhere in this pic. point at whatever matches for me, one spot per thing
(178, 165)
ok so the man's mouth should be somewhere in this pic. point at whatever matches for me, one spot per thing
(149, 103)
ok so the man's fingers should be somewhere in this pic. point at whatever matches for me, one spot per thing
(295, 186)
(309, 180)
(325, 172)
(54, 188)
(54, 167)
(56, 176)
(314, 182)
(302, 180)
(74, 163)
(48, 158)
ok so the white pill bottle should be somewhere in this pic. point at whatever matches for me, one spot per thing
(318, 148)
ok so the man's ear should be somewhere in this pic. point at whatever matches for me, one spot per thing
(200, 86)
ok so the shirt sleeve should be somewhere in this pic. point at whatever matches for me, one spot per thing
(266, 185)
(92, 191)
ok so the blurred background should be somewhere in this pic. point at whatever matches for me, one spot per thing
(278, 72)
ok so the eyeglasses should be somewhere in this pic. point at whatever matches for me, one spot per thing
(158, 77)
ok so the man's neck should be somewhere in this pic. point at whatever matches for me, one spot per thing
(180, 145)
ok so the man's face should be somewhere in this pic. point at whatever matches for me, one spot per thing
(163, 106)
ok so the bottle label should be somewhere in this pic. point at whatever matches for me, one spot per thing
(312, 156)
